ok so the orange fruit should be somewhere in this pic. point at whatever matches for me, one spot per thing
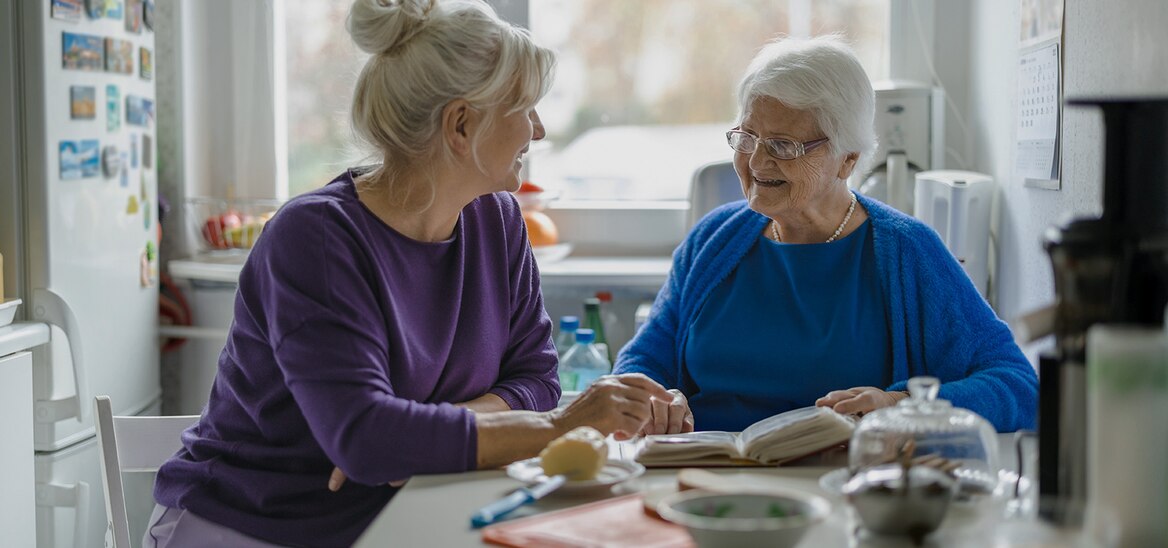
(540, 228)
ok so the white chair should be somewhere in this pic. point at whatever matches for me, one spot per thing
(131, 444)
(712, 185)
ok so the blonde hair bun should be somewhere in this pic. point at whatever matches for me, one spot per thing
(382, 26)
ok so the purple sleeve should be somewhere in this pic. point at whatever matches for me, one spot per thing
(317, 300)
(528, 377)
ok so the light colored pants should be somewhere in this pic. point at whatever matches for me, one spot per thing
(174, 528)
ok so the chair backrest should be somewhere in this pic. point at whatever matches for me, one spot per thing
(713, 184)
(131, 444)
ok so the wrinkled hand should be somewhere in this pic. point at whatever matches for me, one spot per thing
(670, 416)
(614, 404)
(860, 400)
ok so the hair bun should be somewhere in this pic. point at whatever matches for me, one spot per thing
(381, 26)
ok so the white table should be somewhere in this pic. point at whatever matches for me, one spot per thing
(435, 510)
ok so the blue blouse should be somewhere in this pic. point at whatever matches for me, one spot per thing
(789, 325)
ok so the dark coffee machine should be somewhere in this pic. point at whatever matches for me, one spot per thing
(1111, 269)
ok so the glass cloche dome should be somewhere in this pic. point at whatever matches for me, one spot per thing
(930, 432)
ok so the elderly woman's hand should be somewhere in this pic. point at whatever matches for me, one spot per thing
(670, 417)
(621, 405)
(860, 400)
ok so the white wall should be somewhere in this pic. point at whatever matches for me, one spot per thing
(1110, 48)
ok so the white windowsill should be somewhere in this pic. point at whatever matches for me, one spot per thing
(647, 272)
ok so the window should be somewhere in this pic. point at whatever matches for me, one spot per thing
(644, 89)
(322, 65)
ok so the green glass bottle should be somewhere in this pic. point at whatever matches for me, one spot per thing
(593, 321)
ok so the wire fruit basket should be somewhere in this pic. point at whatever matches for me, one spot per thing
(222, 225)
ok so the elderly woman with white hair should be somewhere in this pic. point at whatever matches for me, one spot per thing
(807, 294)
(390, 323)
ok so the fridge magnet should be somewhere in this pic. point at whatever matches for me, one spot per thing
(113, 9)
(95, 8)
(66, 10)
(146, 214)
(148, 266)
(133, 150)
(147, 152)
(142, 187)
(124, 179)
(132, 205)
(81, 51)
(78, 159)
(82, 102)
(139, 110)
(143, 270)
(119, 56)
(111, 162)
(113, 117)
(148, 15)
(145, 63)
(134, 16)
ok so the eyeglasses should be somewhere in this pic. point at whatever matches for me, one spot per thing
(783, 149)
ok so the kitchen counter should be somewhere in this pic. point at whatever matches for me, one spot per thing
(22, 336)
(19, 507)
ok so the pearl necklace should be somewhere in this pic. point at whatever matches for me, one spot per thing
(838, 230)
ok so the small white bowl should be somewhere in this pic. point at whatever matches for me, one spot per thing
(551, 253)
(8, 311)
(535, 201)
(745, 519)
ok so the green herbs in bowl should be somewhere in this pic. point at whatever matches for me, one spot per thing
(745, 519)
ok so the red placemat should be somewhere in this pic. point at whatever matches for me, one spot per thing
(613, 522)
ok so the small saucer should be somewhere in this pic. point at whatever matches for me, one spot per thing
(970, 485)
(613, 472)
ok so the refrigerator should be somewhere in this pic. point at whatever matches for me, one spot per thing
(79, 236)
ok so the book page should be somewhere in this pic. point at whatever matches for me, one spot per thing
(689, 446)
(795, 433)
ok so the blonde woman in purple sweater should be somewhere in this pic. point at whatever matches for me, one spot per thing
(390, 324)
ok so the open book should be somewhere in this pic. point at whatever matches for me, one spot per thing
(773, 440)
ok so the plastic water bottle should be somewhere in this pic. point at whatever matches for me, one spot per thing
(593, 321)
(612, 325)
(583, 363)
(567, 335)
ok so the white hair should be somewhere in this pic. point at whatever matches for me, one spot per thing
(426, 53)
(821, 75)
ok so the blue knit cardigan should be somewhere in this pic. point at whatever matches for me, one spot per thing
(938, 324)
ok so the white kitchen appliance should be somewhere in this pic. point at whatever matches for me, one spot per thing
(78, 230)
(957, 204)
(909, 138)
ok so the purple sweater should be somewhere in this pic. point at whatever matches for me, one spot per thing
(349, 345)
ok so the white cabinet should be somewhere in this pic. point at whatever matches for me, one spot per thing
(17, 508)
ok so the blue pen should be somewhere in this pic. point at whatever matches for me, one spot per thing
(492, 512)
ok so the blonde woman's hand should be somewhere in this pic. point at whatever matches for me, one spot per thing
(614, 404)
(337, 479)
(860, 400)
